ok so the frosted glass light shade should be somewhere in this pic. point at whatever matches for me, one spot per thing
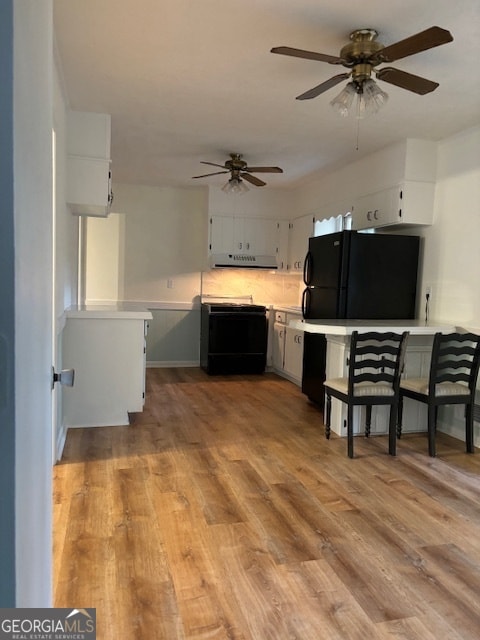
(370, 98)
(235, 185)
(343, 102)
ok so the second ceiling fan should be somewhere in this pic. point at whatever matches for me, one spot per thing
(239, 170)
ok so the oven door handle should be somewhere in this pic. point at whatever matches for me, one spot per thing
(233, 314)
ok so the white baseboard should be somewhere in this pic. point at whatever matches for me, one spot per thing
(60, 444)
(163, 364)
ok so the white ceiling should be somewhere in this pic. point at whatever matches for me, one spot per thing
(192, 80)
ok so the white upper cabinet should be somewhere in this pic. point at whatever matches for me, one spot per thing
(405, 175)
(407, 203)
(239, 235)
(301, 229)
(89, 178)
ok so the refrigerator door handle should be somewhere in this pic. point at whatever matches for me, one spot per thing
(306, 296)
(307, 269)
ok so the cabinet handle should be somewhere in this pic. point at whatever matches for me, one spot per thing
(248, 245)
(375, 214)
(369, 215)
(239, 245)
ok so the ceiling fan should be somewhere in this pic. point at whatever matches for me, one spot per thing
(364, 53)
(240, 170)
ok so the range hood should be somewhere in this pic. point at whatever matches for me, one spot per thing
(243, 261)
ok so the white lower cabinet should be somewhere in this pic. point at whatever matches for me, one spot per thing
(417, 363)
(109, 359)
(278, 346)
(293, 362)
(287, 348)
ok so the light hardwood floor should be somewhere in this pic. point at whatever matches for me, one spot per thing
(223, 513)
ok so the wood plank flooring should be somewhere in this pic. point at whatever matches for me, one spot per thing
(222, 512)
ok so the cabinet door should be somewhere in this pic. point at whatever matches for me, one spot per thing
(301, 229)
(376, 209)
(293, 363)
(281, 250)
(89, 186)
(221, 234)
(278, 346)
(259, 236)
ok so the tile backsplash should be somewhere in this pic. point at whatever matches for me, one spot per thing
(265, 287)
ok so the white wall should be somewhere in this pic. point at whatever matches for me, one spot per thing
(259, 202)
(104, 258)
(33, 108)
(451, 262)
(164, 238)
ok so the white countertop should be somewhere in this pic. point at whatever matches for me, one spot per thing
(109, 311)
(346, 327)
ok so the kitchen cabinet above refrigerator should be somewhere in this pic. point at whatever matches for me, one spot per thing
(409, 203)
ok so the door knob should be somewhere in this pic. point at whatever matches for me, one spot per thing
(66, 377)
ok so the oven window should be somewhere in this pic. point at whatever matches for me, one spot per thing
(243, 333)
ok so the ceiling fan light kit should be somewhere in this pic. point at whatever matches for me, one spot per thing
(362, 55)
(235, 185)
(370, 98)
(239, 171)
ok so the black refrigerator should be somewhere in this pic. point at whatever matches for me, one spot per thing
(362, 276)
(353, 275)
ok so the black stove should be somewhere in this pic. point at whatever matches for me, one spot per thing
(233, 338)
(233, 307)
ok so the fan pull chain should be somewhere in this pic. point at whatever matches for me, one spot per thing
(358, 134)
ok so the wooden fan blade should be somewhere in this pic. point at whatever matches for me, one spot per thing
(328, 84)
(253, 179)
(308, 55)
(205, 175)
(407, 80)
(213, 164)
(263, 169)
(433, 37)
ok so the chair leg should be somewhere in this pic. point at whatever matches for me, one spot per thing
(392, 436)
(350, 430)
(368, 420)
(469, 429)
(328, 414)
(400, 416)
(432, 425)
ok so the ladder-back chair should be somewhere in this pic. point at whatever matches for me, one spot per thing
(375, 364)
(452, 380)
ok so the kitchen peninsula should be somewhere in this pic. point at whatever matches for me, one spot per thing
(105, 345)
(417, 361)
